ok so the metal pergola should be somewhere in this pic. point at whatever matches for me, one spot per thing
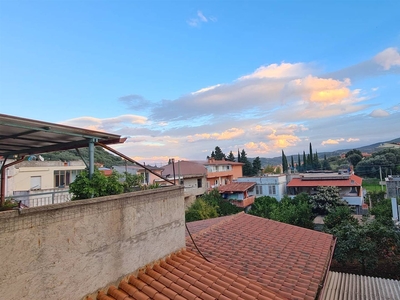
(20, 137)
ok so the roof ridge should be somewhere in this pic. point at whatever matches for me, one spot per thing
(225, 219)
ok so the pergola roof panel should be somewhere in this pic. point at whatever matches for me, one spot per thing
(19, 136)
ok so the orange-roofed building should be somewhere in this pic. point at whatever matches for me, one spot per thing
(237, 193)
(350, 185)
(222, 172)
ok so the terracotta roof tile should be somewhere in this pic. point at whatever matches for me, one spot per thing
(191, 279)
(274, 255)
(236, 187)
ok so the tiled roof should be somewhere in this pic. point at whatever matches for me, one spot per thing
(186, 275)
(236, 187)
(197, 226)
(184, 168)
(349, 286)
(353, 180)
(287, 259)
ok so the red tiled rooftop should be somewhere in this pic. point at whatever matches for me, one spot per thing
(353, 180)
(186, 275)
(287, 259)
(236, 187)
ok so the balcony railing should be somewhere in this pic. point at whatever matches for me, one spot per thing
(29, 199)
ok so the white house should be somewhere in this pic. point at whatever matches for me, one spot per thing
(273, 185)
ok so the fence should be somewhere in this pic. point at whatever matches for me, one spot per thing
(34, 199)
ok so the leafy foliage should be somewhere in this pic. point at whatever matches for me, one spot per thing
(326, 199)
(209, 203)
(217, 154)
(200, 210)
(132, 182)
(366, 243)
(296, 211)
(387, 160)
(100, 185)
(382, 211)
(339, 216)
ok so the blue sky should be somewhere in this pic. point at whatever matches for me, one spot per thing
(181, 77)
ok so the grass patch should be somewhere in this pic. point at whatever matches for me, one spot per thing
(372, 185)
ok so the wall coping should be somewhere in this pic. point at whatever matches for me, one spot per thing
(78, 203)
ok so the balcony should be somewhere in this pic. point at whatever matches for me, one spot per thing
(243, 203)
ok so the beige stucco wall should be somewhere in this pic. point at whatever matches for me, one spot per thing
(68, 250)
(19, 176)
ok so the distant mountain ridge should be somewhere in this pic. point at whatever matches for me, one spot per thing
(365, 149)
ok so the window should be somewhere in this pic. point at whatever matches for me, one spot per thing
(259, 190)
(36, 182)
(199, 183)
(272, 189)
(64, 177)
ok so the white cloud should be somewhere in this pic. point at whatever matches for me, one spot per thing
(379, 113)
(349, 140)
(388, 58)
(200, 18)
(284, 70)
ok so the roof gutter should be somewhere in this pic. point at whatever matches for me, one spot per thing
(321, 293)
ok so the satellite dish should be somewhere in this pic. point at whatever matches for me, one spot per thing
(41, 158)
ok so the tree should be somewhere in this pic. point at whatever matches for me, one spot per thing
(354, 159)
(132, 182)
(284, 163)
(298, 163)
(366, 243)
(304, 162)
(210, 205)
(247, 167)
(296, 211)
(326, 199)
(200, 210)
(99, 185)
(338, 216)
(292, 163)
(354, 151)
(238, 157)
(256, 165)
(219, 155)
(263, 206)
(311, 157)
(231, 157)
(382, 211)
(268, 169)
(325, 164)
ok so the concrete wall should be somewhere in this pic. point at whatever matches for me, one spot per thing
(68, 250)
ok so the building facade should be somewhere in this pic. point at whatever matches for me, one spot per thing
(267, 185)
(222, 172)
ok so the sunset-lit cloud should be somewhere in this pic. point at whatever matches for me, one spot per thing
(225, 135)
(332, 142)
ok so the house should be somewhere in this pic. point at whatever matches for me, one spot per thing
(350, 185)
(393, 186)
(273, 185)
(36, 183)
(221, 172)
(238, 193)
(191, 175)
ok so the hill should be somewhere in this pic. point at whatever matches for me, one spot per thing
(364, 149)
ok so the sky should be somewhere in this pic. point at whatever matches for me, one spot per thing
(178, 78)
